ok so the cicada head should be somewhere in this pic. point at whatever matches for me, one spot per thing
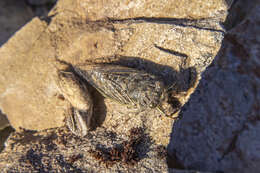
(169, 106)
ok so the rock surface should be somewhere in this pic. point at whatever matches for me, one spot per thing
(220, 126)
(155, 36)
(176, 41)
(58, 150)
(13, 15)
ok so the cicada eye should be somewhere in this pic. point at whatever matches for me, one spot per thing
(152, 105)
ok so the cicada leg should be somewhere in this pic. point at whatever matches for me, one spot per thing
(79, 121)
(172, 116)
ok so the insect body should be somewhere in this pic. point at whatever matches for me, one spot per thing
(127, 86)
(123, 84)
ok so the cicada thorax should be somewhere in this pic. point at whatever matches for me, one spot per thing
(145, 89)
(124, 85)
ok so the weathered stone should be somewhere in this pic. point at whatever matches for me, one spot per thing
(26, 85)
(180, 43)
(172, 41)
(61, 151)
(58, 150)
(220, 126)
(129, 9)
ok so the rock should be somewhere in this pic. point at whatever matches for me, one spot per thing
(220, 126)
(26, 86)
(13, 15)
(157, 37)
(58, 150)
(167, 39)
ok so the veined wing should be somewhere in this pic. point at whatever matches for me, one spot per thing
(124, 85)
(107, 79)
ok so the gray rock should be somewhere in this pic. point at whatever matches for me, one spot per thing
(13, 15)
(220, 126)
(40, 2)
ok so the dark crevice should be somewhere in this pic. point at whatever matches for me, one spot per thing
(202, 24)
(47, 19)
(233, 143)
(40, 8)
(171, 52)
(231, 147)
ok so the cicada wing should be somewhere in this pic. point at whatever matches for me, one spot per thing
(108, 80)
(124, 85)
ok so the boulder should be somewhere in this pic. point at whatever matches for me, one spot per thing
(175, 40)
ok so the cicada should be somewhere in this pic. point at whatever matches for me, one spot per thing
(128, 86)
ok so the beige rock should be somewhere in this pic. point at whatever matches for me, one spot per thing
(174, 40)
(96, 10)
(26, 85)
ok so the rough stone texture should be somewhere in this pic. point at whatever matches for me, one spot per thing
(176, 41)
(27, 91)
(159, 33)
(219, 130)
(220, 126)
(96, 10)
(13, 15)
(58, 150)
